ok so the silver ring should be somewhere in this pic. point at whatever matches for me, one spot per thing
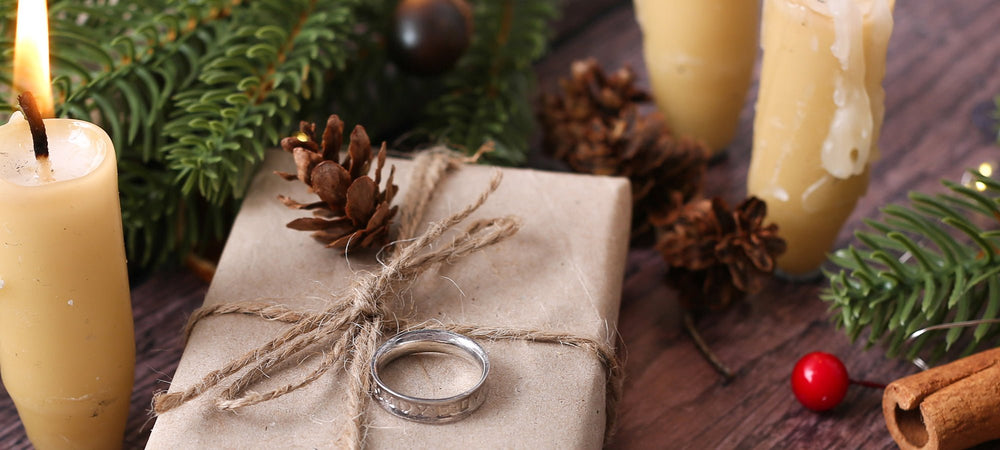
(430, 410)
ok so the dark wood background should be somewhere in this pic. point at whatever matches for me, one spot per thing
(943, 71)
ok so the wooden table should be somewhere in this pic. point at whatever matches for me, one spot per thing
(943, 71)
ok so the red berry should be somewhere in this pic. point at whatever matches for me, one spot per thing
(819, 381)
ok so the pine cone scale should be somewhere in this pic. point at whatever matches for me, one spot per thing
(330, 181)
(390, 189)
(305, 162)
(333, 136)
(361, 197)
(310, 224)
(359, 153)
(380, 164)
(296, 205)
(336, 229)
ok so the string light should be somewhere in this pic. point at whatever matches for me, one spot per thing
(985, 169)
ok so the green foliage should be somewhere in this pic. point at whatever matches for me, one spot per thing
(510, 34)
(192, 92)
(932, 262)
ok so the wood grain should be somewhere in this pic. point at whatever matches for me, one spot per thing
(943, 67)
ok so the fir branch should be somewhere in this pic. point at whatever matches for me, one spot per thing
(131, 98)
(925, 264)
(193, 91)
(488, 93)
(164, 92)
(252, 79)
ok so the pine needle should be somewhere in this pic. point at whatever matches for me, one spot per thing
(928, 263)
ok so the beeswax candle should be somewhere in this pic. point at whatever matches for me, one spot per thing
(700, 56)
(67, 352)
(819, 113)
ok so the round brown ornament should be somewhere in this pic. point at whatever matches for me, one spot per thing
(429, 36)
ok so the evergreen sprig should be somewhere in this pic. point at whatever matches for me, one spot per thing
(192, 92)
(932, 262)
(248, 93)
(483, 95)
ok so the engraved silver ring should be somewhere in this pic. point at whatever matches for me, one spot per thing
(430, 410)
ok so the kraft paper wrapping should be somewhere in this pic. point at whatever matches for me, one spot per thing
(561, 272)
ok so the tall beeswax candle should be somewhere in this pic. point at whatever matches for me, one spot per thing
(700, 56)
(819, 113)
(67, 352)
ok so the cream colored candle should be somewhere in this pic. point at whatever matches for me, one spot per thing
(700, 56)
(67, 352)
(819, 113)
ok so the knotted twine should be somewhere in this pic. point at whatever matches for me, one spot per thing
(353, 327)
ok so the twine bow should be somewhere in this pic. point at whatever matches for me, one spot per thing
(353, 326)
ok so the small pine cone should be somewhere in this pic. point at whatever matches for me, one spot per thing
(352, 210)
(715, 255)
(665, 171)
(595, 127)
(592, 106)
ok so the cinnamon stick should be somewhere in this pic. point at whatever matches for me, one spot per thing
(953, 406)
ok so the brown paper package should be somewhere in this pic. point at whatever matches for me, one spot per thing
(561, 272)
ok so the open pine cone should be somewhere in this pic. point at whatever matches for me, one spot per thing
(352, 210)
(715, 255)
(595, 127)
(589, 99)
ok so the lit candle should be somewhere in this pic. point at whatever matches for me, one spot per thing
(700, 56)
(819, 113)
(67, 351)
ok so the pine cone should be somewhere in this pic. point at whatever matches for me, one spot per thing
(595, 127)
(715, 255)
(352, 210)
(591, 105)
(665, 170)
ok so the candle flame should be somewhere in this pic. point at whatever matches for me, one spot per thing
(31, 54)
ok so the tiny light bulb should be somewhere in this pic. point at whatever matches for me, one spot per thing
(986, 169)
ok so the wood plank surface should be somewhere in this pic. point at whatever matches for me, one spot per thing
(943, 70)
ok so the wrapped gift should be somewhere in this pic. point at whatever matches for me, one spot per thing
(561, 272)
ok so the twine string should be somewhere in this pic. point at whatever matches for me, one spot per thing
(353, 325)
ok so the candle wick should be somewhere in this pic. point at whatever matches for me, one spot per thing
(38, 137)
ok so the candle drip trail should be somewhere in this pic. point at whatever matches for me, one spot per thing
(38, 137)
